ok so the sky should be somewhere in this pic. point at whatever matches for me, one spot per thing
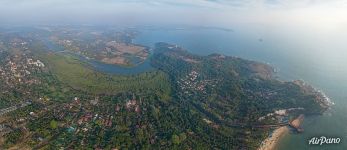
(321, 14)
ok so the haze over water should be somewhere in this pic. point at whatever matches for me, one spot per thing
(318, 58)
(303, 39)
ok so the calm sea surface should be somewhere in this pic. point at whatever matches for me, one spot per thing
(319, 58)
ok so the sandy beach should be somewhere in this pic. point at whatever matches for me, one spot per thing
(271, 142)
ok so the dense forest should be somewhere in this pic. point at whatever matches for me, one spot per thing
(187, 102)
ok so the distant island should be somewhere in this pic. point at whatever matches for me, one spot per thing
(54, 99)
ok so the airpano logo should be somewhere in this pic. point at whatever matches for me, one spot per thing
(324, 140)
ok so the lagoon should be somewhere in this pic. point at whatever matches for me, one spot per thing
(319, 58)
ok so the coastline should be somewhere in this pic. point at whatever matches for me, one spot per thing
(271, 142)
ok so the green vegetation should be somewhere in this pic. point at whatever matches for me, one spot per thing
(111, 47)
(53, 124)
(12, 137)
(229, 94)
(188, 102)
(78, 75)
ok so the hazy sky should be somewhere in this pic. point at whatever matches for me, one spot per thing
(323, 14)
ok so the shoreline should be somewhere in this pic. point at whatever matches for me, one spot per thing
(272, 141)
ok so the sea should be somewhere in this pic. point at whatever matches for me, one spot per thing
(319, 57)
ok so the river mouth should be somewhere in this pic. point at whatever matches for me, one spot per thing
(142, 67)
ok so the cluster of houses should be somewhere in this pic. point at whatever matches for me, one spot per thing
(82, 114)
(17, 69)
(280, 115)
(106, 121)
(320, 97)
(4, 129)
(19, 43)
(191, 83)
(132, 105)
(265, 94)
(65, 42)
(13, 108)
(37, 63)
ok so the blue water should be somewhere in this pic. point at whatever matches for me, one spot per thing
(319, 58)
(115, 69)
(102, 67)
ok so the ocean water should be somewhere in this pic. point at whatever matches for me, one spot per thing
(318, 57)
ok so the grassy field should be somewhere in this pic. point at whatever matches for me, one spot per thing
(78, 75)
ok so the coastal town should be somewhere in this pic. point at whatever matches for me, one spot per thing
(54, 99)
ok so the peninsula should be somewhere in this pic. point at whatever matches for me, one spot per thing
(51, 99)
